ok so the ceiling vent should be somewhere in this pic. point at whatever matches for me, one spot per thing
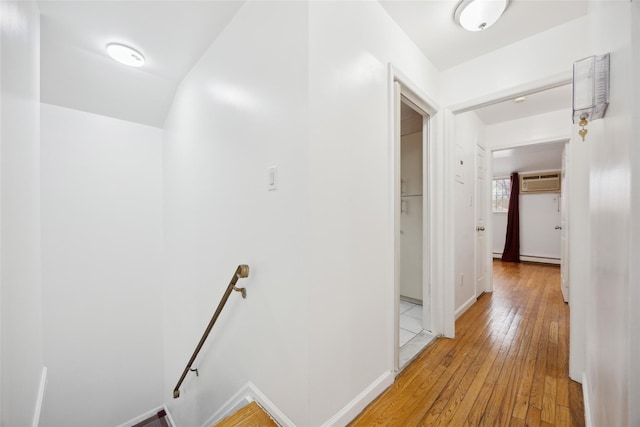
(544, 182)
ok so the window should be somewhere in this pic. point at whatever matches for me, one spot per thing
(500, 194)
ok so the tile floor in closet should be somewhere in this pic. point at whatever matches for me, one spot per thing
(412, 337)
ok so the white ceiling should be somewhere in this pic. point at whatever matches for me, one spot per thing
(530, 158)
(538, 103)
(77, 73)
(430, 25)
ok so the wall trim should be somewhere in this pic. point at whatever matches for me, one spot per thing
(466, 306)
(247, 394)
(40, 399)
(588, 421)
(357, 405)
(149, 414)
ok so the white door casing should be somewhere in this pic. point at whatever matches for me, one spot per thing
(481, 243)
(564, 224)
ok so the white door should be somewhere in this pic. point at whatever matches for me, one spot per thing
(481, 221)
(564, 225)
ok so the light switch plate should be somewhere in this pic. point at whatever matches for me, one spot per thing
(272, 178)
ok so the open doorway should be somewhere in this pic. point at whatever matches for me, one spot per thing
(540, 169)
(547, 120)
(413, 302)
(414, 330)
(523, 133)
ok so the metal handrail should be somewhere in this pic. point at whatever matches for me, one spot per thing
(241, 272)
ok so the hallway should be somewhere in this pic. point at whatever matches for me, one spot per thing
(508, 364)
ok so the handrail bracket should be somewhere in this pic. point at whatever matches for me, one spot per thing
(243, 291)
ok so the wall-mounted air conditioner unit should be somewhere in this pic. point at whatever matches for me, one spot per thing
(542, 182)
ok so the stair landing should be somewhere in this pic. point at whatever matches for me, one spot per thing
(251, 415)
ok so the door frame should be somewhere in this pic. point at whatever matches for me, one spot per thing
(488, 220)
(437, 232)
(524, 89)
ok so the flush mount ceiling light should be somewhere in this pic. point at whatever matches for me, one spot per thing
(520, 99)
(478, 15)
(125, 55)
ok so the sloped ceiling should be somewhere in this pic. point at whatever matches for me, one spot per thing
(430, 25)
(77, 73)
(530, 158)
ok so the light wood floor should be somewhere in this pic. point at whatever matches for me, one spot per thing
(251, 415)
(507, 366)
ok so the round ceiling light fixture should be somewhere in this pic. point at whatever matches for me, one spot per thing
(478, 15)
(520, 99)
(125, 54)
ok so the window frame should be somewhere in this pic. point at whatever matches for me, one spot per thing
(500, 197)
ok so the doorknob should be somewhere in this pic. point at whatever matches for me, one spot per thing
(557, 227)
(479, 228)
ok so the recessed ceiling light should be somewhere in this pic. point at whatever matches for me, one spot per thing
(125, 55)
(478, 15)
(520, 99)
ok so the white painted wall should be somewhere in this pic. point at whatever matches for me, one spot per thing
(514, 65)
(101, 252)
(243, 108)
(610, 371)
(634, 273)
(20, 285)
(411, 217)
(351, 237)
(469, 131)
(499, 231)
(579, 238)
(547, 127)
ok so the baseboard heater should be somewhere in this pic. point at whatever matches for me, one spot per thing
(529, 258)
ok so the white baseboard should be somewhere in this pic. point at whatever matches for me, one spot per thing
(148, 414)
(588, 421)
(465, 306)
(247, 394)
(40, 399)
(353, 408)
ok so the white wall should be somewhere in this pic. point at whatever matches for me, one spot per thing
(514, 66)
(610, 371)
(469, 131)
(21, 290)
(634, 273)
(101, 252)
(499, 230)
(242, 109)
(547, 127)
(579, 240)
(411, 220)
(351, 214)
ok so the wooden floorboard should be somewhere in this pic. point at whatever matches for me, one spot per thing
(251, 415)
(507, 366)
